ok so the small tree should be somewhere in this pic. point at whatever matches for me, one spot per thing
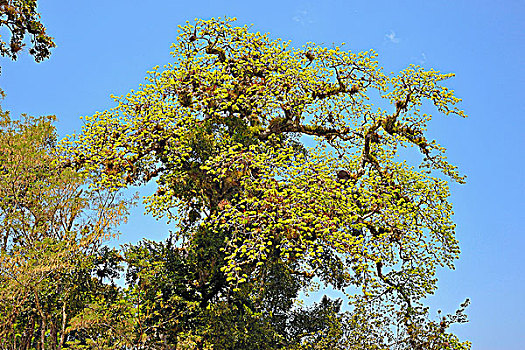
(51, 229)
(279, 171)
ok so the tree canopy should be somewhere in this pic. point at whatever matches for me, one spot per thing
(282, 168)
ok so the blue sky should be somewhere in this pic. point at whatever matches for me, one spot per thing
(106, 47)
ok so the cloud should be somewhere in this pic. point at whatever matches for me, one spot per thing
(302, 17)
(423, 59)
(392, 37)
(419, 60)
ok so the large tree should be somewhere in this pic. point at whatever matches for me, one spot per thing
(281, 168)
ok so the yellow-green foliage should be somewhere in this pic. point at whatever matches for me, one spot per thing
(222, 128)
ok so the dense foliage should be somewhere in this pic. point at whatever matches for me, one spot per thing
(281, 170)
(51, 234)
(21, 18)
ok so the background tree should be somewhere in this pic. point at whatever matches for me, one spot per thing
(51, 230)
(279, 171)
(21, 18)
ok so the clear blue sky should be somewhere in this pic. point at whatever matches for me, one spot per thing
(105, 47)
